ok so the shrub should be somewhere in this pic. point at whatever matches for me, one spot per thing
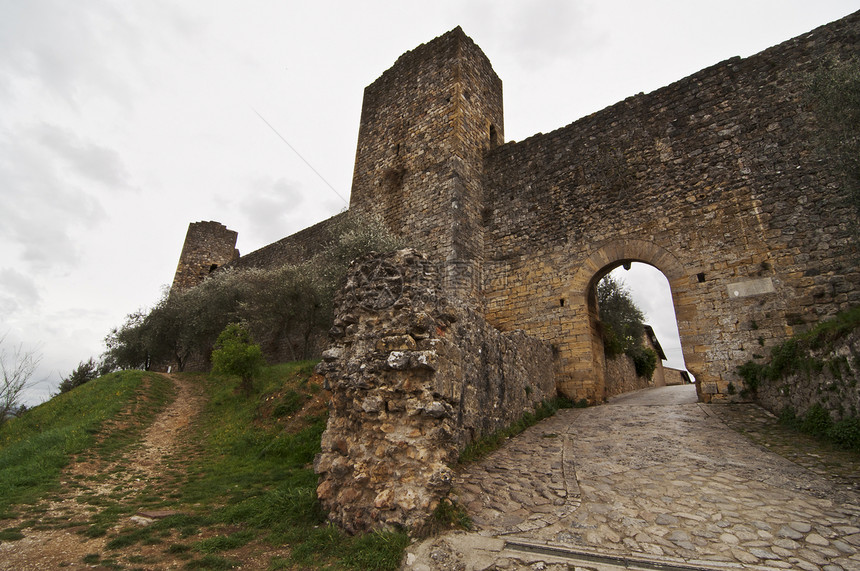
(817, 421)
(846, 433)
(644, 359)
(290, 306)
(752, 374)
(83, 373)
(236, 354)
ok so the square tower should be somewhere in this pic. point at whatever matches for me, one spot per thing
(426, 124)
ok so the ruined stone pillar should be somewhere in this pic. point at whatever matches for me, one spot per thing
(415, 375)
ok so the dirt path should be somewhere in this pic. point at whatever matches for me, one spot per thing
(54, 540)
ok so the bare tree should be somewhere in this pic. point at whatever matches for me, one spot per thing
(16, 368)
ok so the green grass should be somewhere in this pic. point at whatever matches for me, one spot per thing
(250, 480)
(11, 534)
(793, 354)
(242, 481)
(797, 355)
(35, 447)
(224, 542)
(817, 422)
(212, 563)
(449, 515)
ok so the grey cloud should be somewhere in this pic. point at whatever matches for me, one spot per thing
(60, 45)
(270, 207)
(76, 51)
(43, 201)
(539, 32)
(17, 292)
(652, 294)
(92, 161)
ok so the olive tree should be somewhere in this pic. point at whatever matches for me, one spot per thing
(289, 308)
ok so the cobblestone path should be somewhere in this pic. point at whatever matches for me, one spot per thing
(658, 478)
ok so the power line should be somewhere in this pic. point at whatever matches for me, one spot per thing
(298, 154)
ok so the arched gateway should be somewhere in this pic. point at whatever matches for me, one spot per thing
(585, 344)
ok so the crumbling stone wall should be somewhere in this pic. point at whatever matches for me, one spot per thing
(414, 376)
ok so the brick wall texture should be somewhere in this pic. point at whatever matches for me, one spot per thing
(717, 180)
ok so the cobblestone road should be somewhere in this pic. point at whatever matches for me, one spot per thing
(655, 478)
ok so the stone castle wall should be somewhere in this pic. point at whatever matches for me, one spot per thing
(673, 377)
(293, 249)
(621, 377)
(415, 376)
(717, 180)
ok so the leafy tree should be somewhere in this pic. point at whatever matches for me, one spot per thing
(290, 306)
(644, 359)
(622, 321)
(236, 354)
(623, 325)
(85, 372)
(127, 346)
(16, 369)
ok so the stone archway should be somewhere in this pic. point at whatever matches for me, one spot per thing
(581, 362)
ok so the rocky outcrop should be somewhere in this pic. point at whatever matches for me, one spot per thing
(414, 378)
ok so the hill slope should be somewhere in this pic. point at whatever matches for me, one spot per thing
(176, 472)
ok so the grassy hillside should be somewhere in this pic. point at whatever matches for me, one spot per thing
(236, 488)
(37, 446)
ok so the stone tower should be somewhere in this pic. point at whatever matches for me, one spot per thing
(426, 125)
(208, 245)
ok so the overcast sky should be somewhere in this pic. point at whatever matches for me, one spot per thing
(122, 121)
